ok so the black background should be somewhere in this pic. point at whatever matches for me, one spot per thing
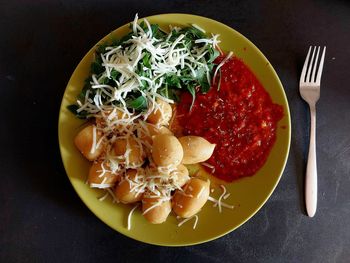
(41, 217)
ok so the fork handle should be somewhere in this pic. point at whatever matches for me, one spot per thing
(311, 168)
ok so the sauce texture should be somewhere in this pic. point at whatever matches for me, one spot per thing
(238, 116)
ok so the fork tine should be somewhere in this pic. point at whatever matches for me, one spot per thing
(315, 65)
(303, 72)
(319, 72)
(309, 68)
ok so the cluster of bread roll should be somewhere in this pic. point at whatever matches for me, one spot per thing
(142, 161)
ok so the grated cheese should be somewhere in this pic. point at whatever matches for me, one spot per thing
(221, 196)
(229, 55)
(102, 198)
(209, 166)
(93, 146)
(222, 204)
(115, 200)
(129, 216)
(187, 219)
(100, 186)
(200, 192)
(199, 28)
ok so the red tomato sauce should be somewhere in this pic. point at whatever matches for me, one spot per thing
(240, 118)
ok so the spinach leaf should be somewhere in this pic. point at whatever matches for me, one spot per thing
(73, 108)
(96, 66)
(213, 54)
(173, 80)
(114, 74)
(196, 32)
(203, 80)
(126, 38)
(146, 60)
(139, 103)
(157, 32)
(169, 93)
(101, 48)
(86, 87)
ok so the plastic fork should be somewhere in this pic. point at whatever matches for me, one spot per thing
(310, 83)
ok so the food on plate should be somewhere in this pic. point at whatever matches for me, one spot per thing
(237, 115)
(180, 175)
(189, 200)
(100, 176)
(150, 100)
(146, 133)
(89, 142)
(123, 191)
(162, 114)
(129, 150)
(156, 209)
(166, 150)
(196, 149)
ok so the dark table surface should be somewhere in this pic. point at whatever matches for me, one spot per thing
(43, 220)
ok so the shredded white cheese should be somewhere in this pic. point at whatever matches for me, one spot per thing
(212, 167)
(100, 186)
(187, 219)
(215, 201)
(229, 55)
(218, 202)
(102, 198)
(115, 200)
(93, 146)
(129, 216)
(199, 28)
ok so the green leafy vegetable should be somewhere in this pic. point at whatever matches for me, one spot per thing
(139, 103)
(114, 74)
(173, 81)
(148, 62)
(96, 67)
(169, 93)
(81, 115)
(213, 54)
(203, 80)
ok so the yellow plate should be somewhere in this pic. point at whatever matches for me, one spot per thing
(248, 194)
